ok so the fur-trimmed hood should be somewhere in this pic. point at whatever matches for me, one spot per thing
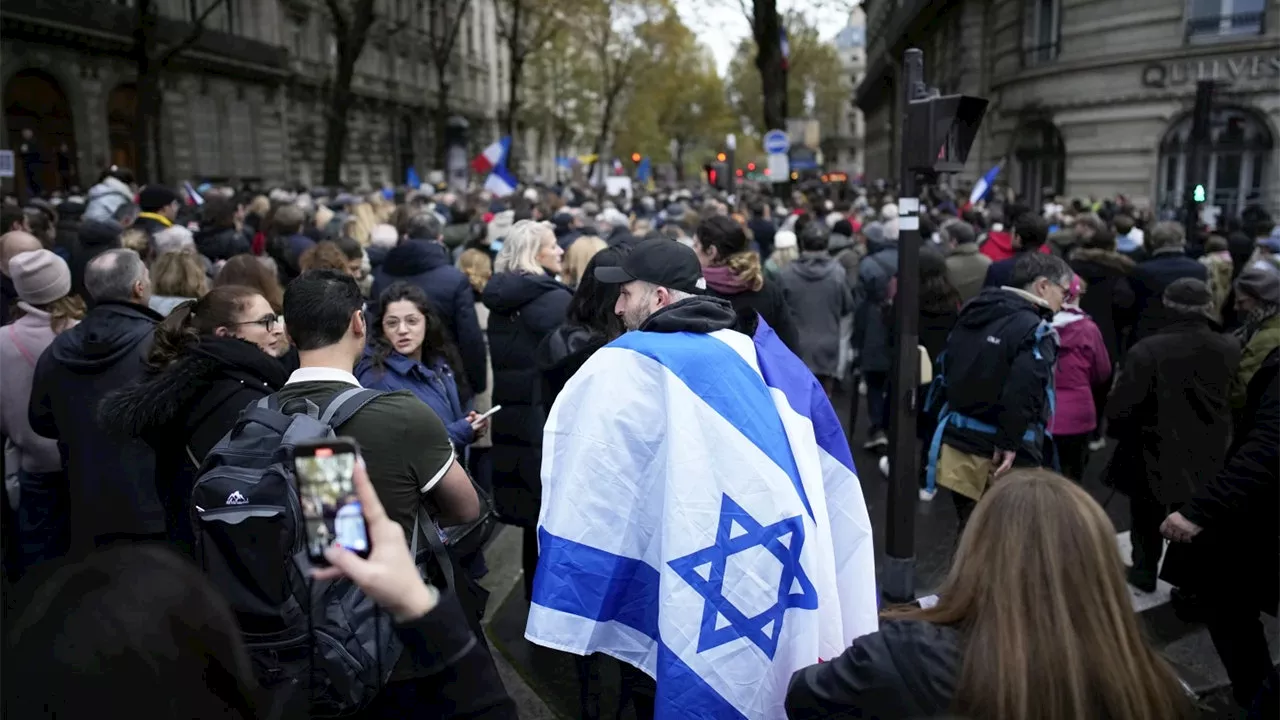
(1107, 259)
(168, 404)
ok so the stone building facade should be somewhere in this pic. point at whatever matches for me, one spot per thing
(246, 102)
(1093, 97)
(847, 154)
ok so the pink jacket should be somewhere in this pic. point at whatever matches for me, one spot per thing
(1082, 364)
(21, 343)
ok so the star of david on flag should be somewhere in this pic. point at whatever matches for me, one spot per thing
(785, 541)
(701, 521)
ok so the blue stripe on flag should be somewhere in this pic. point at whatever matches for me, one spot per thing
(721, 378)
(591, 583)
(786, 372)
(588, 582)
(684, 694)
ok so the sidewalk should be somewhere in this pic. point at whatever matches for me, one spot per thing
(503, 581)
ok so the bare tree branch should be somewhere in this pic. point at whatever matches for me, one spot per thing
(197, 29)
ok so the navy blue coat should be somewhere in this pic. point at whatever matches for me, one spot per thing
(425, 263)
(433, 385)
(1149, 281)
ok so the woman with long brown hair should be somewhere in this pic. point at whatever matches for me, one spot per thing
(1033, 621)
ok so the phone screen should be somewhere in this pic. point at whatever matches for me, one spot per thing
(331, 512)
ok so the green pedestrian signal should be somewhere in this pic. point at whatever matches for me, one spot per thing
(1198, 193)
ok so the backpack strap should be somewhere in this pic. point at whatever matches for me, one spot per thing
(425, 528)
(346, 404)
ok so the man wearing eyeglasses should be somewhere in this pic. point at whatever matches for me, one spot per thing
(994, 395)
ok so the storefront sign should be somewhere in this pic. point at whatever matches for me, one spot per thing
(1244, 69)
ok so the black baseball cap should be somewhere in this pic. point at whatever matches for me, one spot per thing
(660, 261)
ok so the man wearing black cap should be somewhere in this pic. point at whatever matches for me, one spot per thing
(1170, 413)
(159, 207)
(661, 290)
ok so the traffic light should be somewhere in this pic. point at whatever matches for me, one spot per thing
(710, 170)
(720, 157)
(751, 166)
(1198, 194)
(635, 157)
(739, 172)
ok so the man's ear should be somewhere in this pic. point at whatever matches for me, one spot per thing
(358, 325)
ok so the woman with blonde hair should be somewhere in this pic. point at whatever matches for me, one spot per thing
(577, 257)
(526, 304)
(733, 272)
(365, 220)
(1034, 620)
(175, 278)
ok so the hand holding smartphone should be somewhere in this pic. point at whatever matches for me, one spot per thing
(331, 510)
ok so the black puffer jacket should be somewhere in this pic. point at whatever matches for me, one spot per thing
(183, 410)
(524, 310)
(906, 670)
(223, 243)
(562, 354)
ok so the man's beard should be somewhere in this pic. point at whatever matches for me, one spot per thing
(633, 318)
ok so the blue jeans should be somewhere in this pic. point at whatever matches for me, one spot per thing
(43, 529)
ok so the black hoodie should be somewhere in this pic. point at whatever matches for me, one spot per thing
(183, 410)
(425, 263)
(112, 483)
(998, 371)
(223, 243)
(93, 238)
(524, 309)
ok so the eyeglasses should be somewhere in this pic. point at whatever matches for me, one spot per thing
(268, 322)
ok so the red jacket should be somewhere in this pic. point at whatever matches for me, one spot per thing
(999, 246)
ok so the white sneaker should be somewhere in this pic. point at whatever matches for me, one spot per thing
(876, 440)
(884, 465)
(1096, 445)
(926, 495)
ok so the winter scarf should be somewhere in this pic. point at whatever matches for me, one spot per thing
(1254, 321)
(723, 280)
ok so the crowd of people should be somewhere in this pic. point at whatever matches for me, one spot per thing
(141, 325)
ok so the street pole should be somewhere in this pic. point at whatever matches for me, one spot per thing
(900, 560)
(1201, 123)
(731, 146)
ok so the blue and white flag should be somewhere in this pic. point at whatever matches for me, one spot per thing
(701, 520)
(500, 181)
(984, 184)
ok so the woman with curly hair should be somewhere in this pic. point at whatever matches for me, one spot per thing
(733, 272)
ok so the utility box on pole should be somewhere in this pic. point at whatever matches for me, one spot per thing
(937, 133)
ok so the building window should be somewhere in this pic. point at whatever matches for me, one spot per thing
(1040, 31)
(1232, 166)
(1041, 157)
(1209, 19)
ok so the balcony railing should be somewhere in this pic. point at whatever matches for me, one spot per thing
(1250, 23)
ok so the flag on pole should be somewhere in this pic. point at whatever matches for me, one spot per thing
(501, 182)
(493, 156)
(617, 167)
(719, 589)
(983, 186)
(192, 195)
(785, 46)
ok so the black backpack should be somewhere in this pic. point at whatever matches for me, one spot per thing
(318, 648)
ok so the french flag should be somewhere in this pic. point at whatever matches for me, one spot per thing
(501, 182)
(983, 186)
(492, 157)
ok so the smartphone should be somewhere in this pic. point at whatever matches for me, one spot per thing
(486, 414)
(331, 512)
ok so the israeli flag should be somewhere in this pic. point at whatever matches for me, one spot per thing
(984, 184)
(701, 520)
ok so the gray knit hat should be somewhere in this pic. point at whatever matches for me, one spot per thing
(40, 277)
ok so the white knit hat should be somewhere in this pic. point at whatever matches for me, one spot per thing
(39, 276)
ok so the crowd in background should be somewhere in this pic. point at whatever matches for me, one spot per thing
(1107, 327)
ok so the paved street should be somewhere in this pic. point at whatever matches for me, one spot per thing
(547, 680)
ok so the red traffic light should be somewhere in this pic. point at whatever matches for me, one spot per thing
(766, 172)
(739, 172)
(711, 177)
(751, 166)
